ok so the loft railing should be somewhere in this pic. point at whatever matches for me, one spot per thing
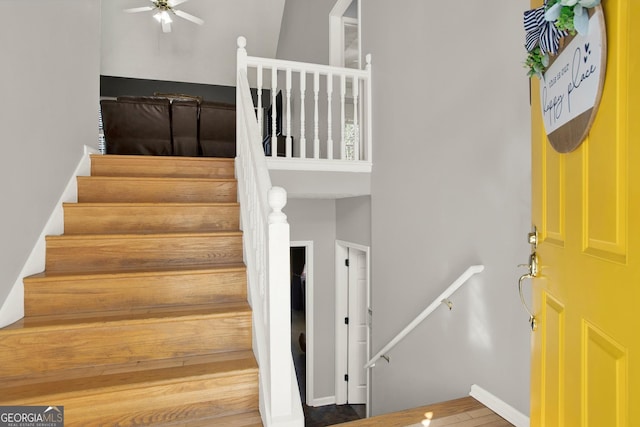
(310, 116)
(443, 298)
(266, 252)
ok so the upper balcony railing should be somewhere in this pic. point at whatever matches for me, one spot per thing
(312, 117)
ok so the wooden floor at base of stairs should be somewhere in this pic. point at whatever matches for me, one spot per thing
(205, 389)
(464, 412)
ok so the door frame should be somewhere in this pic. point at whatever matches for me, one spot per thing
(336, 48)
(308, 313)
(342, 311)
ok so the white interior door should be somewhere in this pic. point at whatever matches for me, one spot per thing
(357, 341)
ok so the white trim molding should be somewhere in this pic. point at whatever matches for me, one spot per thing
(12, 309)
(309, 313)
(322, 401)
(335, 31)
(499, 406)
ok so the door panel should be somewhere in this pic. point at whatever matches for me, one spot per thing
(357, 387)
(552, 330)
(586, 352)
(554, 197)
(604, 375)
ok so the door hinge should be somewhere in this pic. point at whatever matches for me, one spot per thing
(346, 262)
(346, 377)
(346, 320)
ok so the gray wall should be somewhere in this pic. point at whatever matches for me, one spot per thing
(304, 35)
(315, 220)
(49, 83)
(353, 220)
(450, 188)
(133, 44)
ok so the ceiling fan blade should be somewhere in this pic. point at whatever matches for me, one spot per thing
(166, 26)
(189, 17)
(139, 9)
(174, 3)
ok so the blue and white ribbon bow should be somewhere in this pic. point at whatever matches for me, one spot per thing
(541, 32)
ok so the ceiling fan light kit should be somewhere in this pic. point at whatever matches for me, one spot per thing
(162, 15)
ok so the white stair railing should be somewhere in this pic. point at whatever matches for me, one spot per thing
(266, 252)
(443, 298)
(336, 100)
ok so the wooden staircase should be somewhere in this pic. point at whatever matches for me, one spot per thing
(140, 317)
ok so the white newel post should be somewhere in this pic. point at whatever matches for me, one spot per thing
(241, 55)
(279, 305)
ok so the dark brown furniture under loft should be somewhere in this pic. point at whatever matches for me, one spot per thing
(165, 127)
(217, 140)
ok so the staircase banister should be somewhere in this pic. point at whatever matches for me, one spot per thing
(468, 273)
(266, 251)
(254, 135)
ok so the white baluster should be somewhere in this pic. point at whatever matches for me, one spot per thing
(303, 139)
(369, 111)
(329, 137)
(316, 138)
(274, 112)
(260, 109)
(288, 138)
(356, 126)
(343, 92)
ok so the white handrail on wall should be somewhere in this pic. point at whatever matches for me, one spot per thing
(266, 253)
(474, 269)
(321, 105)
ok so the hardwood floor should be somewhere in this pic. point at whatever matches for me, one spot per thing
(465, 412)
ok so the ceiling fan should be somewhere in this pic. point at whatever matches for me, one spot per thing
(164, 9)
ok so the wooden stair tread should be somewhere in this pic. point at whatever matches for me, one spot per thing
(160, 271)
(156, 189)
(211, 234)
(115, 252)
(54, 292)
(145, 315)
(147, 204)
(120, 165)
(134, 375)
(152, 179)
(129, 217)
(245, 419)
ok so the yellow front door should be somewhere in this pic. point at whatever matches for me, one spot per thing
(586, 205)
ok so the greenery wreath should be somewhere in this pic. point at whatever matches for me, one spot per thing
(546, 25)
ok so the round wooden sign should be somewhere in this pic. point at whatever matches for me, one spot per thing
(571, 88)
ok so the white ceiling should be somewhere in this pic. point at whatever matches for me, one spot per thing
(133, 45)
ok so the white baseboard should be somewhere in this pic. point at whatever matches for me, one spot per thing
(498, 406)
(323, 401)
(12, 309)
